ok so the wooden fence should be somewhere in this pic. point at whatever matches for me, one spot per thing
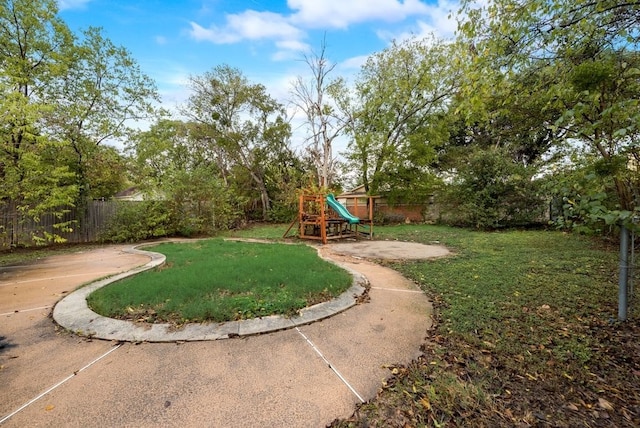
(18, 231)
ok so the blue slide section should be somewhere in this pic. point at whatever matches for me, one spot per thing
(341, 210)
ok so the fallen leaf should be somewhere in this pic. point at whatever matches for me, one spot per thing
(572, 406)
(605, 404)
(425, 403)
(49, 407)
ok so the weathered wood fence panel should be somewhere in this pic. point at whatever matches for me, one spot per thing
(17, 230)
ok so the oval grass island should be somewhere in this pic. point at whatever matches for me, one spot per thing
(217, 281)
(211, 289)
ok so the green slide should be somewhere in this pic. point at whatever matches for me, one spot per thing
(341, 210)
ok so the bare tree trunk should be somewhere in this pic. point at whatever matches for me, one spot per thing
(324, 124)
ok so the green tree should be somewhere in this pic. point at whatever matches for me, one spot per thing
(101, 93)
(32, 42)
(63, 96)
(396, 116)
(172, 164)
(241, 119)
(108, 173)
(491, 191)
(591, 49)
(512, 131)
(604, 95)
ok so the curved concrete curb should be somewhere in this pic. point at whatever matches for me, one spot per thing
(74, 314)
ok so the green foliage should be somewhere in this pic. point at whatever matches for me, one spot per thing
(282, 212)
(61, 96)
(137, 221)
(106, 172)
(592, 88)
(285, 174)
(400, 95)
(173, 165)
(492, 191)
(584, 198)
(243, 124)
(591, 75)
(102, 91)
(381, 218)
(202, 204)
(33, 180)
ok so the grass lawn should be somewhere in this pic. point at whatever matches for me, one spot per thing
(525, 334)
(525, 331)
(217, 280)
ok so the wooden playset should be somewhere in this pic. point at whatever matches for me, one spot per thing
(322, 217)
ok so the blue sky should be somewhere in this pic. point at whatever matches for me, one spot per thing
(265, 39)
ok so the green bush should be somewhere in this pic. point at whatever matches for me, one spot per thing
(201, 204)
(492, 191)
(283, 212)
(388, 218)
(585, 199)
(137, 221)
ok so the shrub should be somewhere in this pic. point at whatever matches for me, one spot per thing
(383, 218)
(492, 191)
(137, 221)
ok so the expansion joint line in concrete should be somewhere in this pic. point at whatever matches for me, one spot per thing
(25, 310)
(5, 284)
(331, 366)
(57, 385)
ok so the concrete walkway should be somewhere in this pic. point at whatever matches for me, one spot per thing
(304, 376)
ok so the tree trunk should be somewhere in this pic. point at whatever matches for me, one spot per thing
(264, 195)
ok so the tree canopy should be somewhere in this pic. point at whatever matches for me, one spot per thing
(396, 110)
(532, 101)
(557, 82)
(62, 96)
(241, 119)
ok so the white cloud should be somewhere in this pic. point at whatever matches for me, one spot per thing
(248, 25)
(72, 4)
(288, 31)
(293, 45)
(342, 13)
(161, 40)
(310, 14)
(442, 18)
(214, 35)
(436, 22)
(354, 63)
(289, 50)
